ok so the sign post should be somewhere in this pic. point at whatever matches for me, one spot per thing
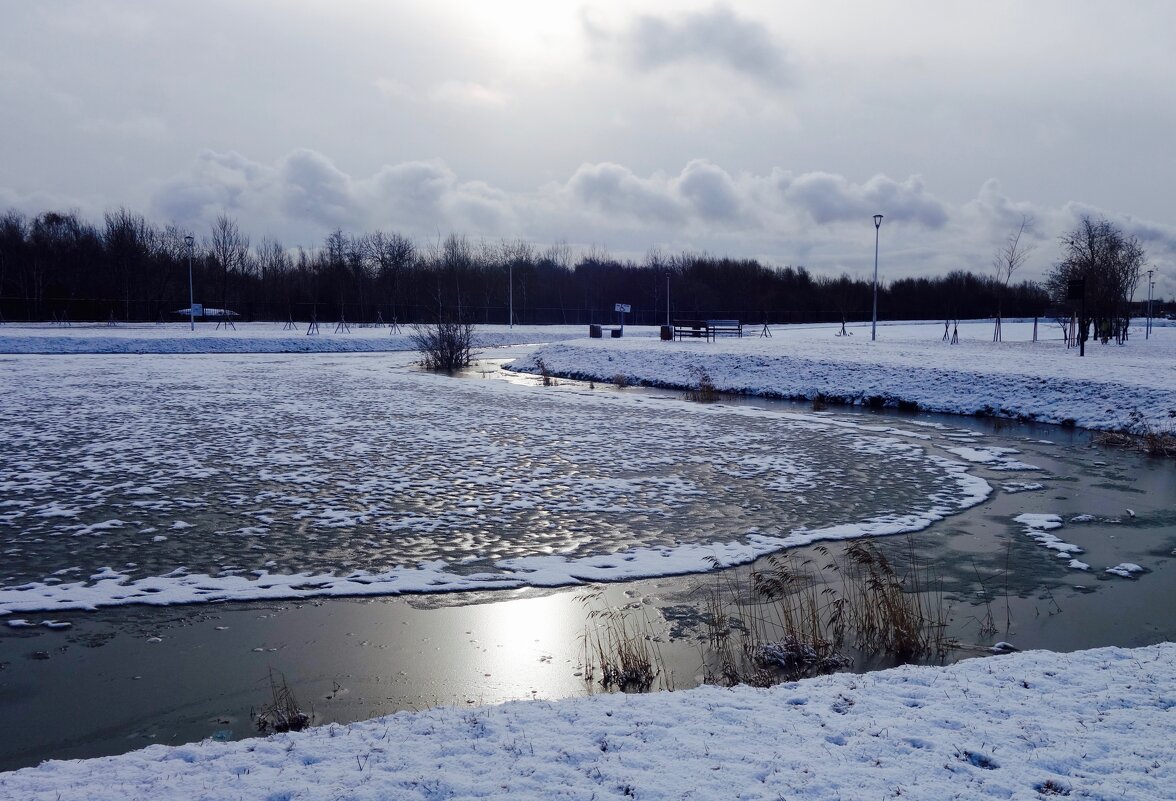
(622, 308)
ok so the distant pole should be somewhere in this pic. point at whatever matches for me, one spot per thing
(510, 293)
(190, 240)
(667, 297)
(874, 323)
(1150, 284)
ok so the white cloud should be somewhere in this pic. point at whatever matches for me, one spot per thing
(469, 94)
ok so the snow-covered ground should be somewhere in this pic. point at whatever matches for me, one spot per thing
(1096, 725)
(1016, 377)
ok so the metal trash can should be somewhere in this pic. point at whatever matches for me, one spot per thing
(667, 333)
(616, 333)
(595, 332)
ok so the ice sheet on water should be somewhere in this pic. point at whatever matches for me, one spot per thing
(350, 476)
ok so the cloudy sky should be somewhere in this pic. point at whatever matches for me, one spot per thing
(764, 129)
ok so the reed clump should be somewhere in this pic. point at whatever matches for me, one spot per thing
(704, 390)
(796, 618)
(620, 646)
(1142, 436)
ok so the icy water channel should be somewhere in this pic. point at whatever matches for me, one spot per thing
(128, 483)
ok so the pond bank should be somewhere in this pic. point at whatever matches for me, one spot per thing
(1128, 388)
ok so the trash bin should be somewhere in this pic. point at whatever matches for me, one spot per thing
(667, 333)
(595, 332)
(616, 333)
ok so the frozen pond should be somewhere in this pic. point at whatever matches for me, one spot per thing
(171, 479)
(133, 481)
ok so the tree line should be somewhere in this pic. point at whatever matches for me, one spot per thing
(59, 266)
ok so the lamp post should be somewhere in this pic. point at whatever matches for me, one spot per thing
(874, 322)
(1150, 284)
(510, 293)
(190, 240)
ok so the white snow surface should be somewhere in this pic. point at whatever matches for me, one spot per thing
(1094, 725)
(1019, 378)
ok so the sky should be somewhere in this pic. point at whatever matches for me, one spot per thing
(750, 129)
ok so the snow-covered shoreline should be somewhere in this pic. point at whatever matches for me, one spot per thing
(1091, 724)
(1131, 387)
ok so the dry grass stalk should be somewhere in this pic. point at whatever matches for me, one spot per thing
(282, 713)
(1140, 435)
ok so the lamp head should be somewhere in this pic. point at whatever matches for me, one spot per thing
(877, 220)
(189, 239)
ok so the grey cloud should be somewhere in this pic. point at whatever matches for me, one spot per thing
(1000, 213)
(305, 193)
(218, 182)
(413, 191)
(1156, 235)
(828, 198)
(427, 195)
(710, 190)
(312, 188)
(716, 36)
(616, 191)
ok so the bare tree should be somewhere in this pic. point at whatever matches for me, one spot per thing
(272, 261)
(229, 248)
(1109, 263)
(1010, 256)
(131, 242)
(391, 255)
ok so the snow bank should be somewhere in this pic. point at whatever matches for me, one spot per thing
(1093, 724)
(908, 364)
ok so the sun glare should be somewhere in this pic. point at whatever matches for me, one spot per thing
(523, 31)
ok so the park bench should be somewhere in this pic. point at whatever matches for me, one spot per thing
(706, 329)
(729, 327)
(692, 328)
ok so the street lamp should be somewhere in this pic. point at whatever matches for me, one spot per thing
(510, 293)
(1150, 284)
(190, 240)
(874, 323)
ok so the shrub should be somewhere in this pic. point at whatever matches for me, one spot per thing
(705, 392)
(444, 345)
